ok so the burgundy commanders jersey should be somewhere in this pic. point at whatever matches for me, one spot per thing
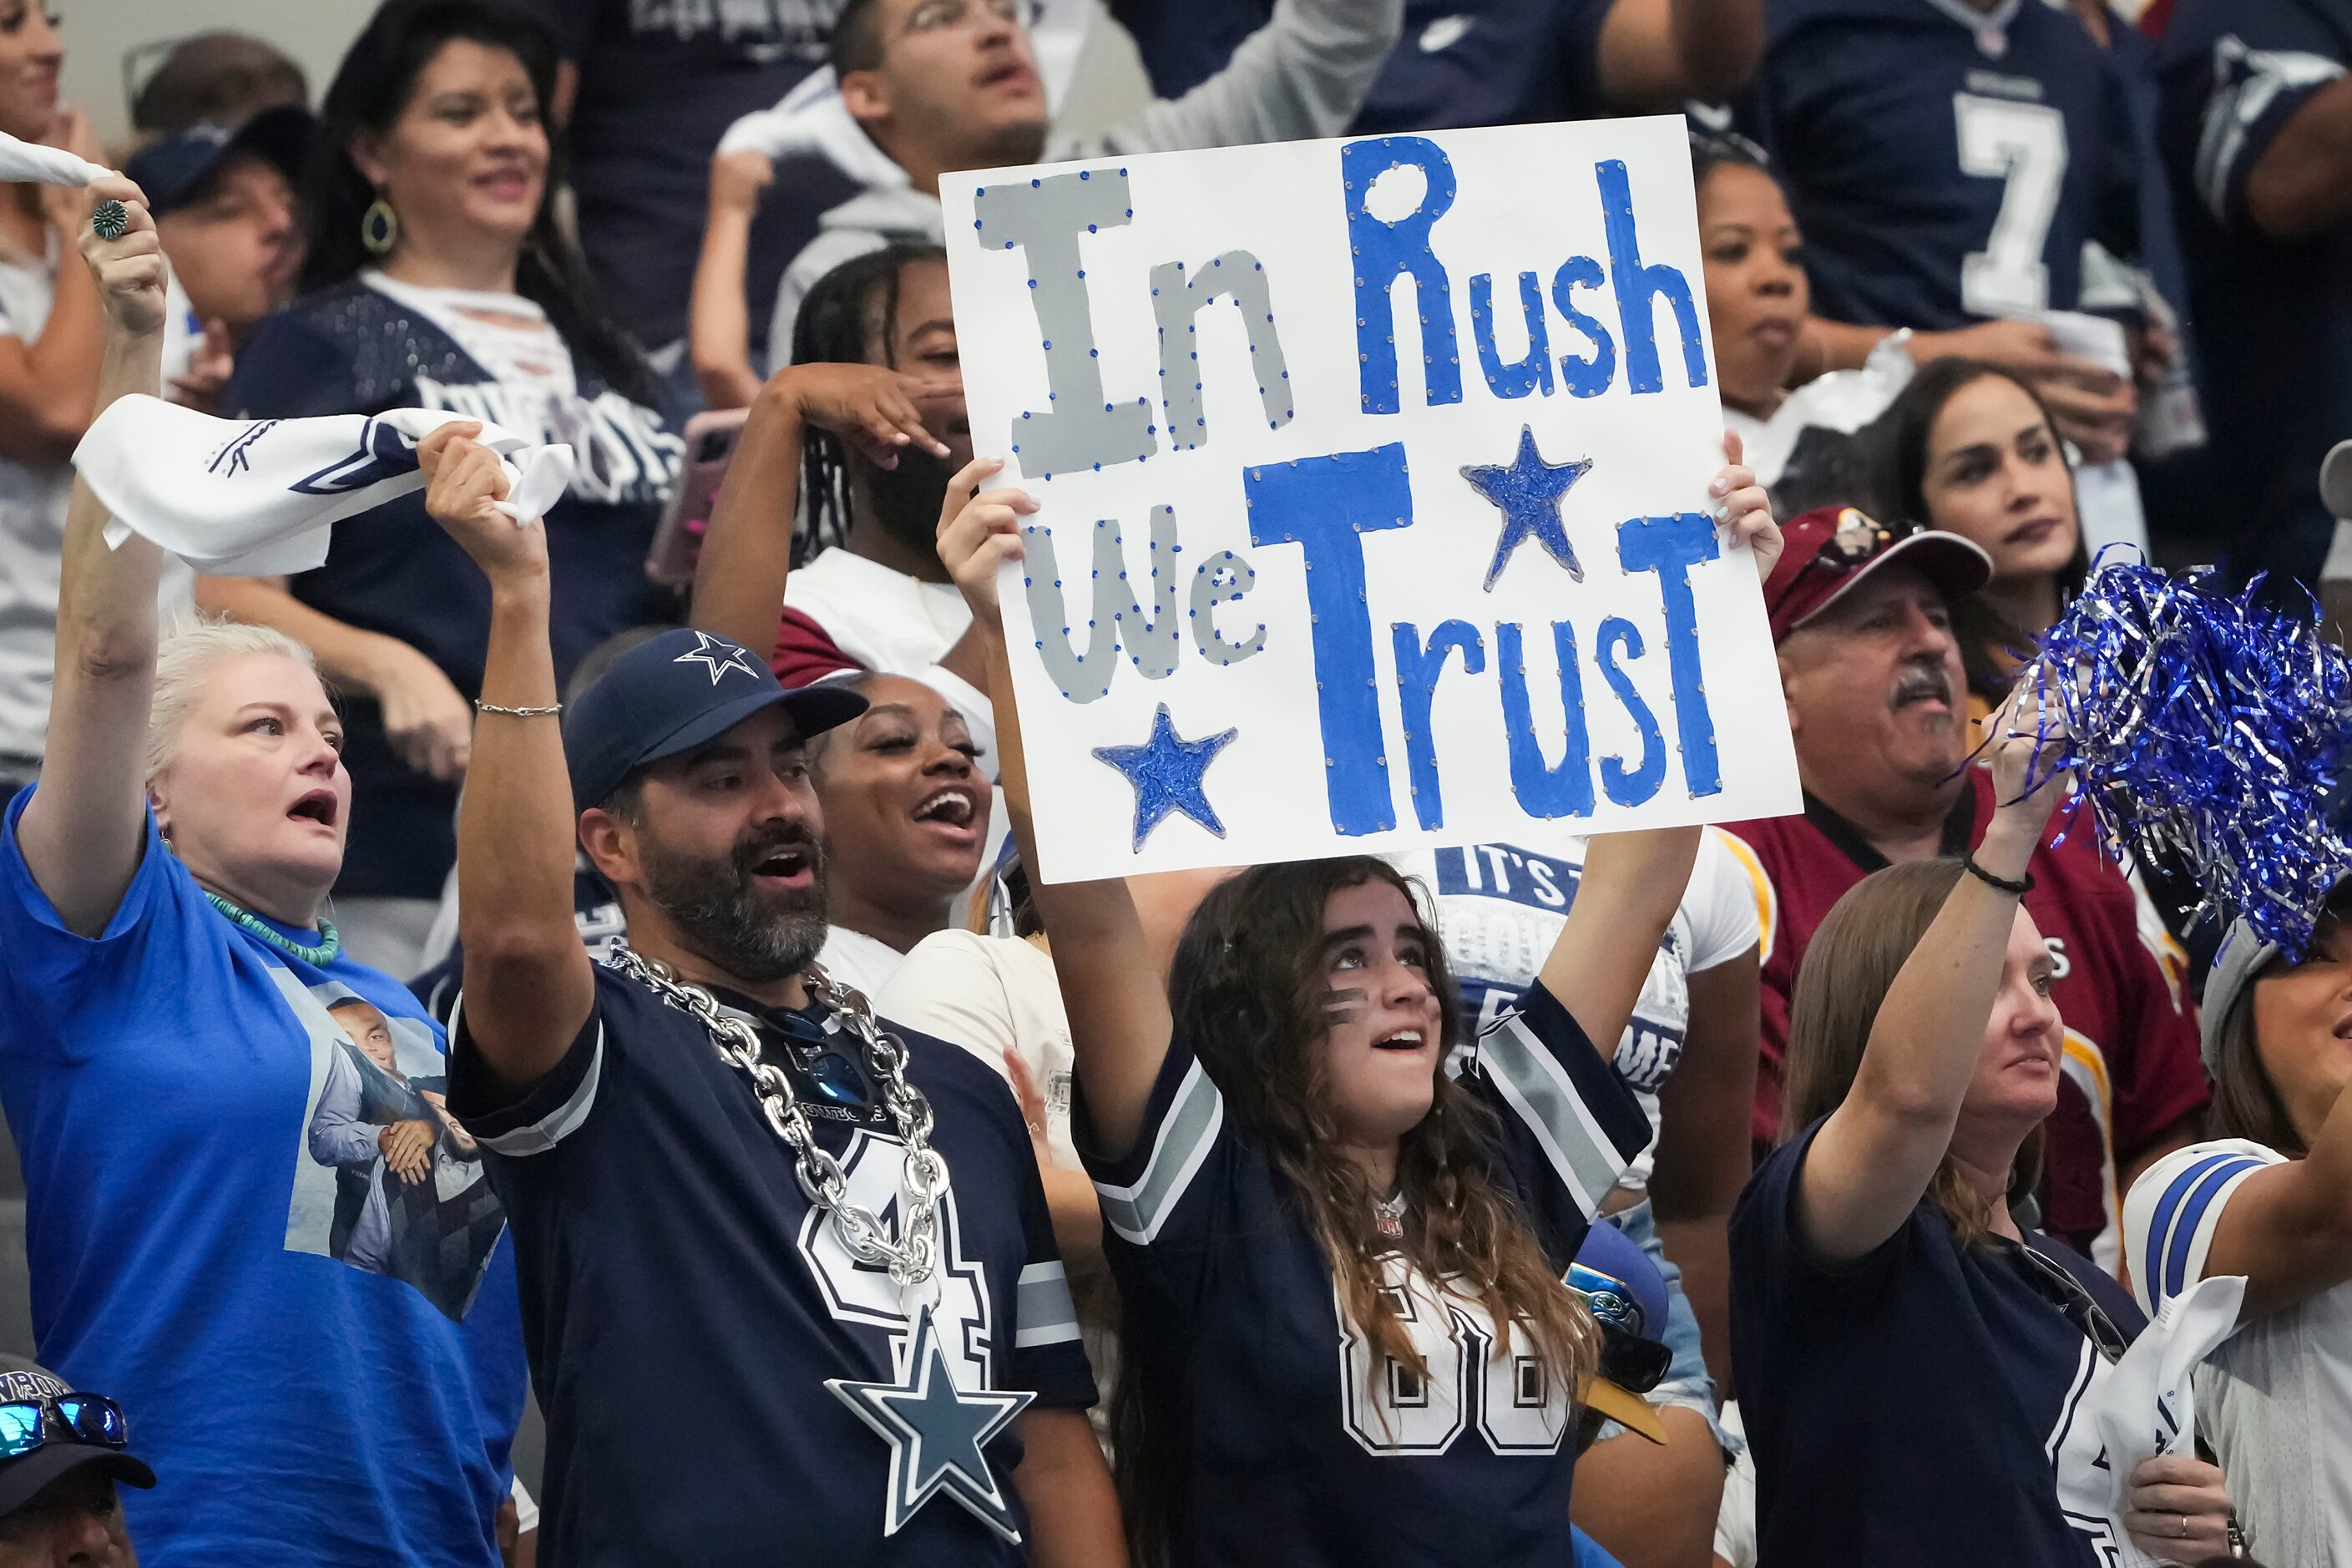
(2131, 1067)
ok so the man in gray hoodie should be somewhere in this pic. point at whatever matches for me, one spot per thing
(929, 85)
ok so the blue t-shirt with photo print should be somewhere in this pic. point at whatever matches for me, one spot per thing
(308, 1316)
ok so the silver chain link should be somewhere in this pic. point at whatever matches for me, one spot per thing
(911, 1258)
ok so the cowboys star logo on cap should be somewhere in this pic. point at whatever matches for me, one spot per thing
(719, 656)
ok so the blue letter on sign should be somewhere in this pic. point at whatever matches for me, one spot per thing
(1541, 789)
(1380, 251)
(1621, 640)
(1636, 284)
(1326, 504)
(1671, 546)
(1416, 674)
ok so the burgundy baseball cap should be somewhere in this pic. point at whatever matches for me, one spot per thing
(1831, 549)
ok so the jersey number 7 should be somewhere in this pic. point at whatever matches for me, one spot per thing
(2023, 145)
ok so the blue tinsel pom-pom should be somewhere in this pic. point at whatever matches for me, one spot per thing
(2209, 730)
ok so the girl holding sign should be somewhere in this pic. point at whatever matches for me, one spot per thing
(1347, 1336)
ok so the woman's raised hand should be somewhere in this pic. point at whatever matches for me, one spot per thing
(980, 529)
(130, 269)
(464, 484)
(2021, 737)
(876, 410)
(1743, 508)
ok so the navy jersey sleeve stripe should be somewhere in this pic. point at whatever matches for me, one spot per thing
(1195, 1115)
(550, 1111)
(1043, 1314)
(2172, 1229)
(2254, 91)
(1587, 1122)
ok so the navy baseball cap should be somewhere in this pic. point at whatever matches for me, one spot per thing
(63, 1447)
(670, 695)
(172, 170)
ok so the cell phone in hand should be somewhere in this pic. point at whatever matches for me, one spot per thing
(711, 438)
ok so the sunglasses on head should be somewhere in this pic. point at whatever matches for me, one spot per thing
(90, 1419)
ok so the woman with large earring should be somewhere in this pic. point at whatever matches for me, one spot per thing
(436, 278)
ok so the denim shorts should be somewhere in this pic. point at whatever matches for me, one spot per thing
(1687, 1384)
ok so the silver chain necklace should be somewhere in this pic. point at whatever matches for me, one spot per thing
(914, 1255)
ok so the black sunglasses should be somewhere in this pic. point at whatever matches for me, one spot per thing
(1630, 1359)
(835, 1079)
(2066, 1293)
(90, 1418)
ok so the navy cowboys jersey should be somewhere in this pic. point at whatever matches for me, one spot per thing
(1945, 164)
(2274, 318)
(684, 1305)
(1300, 1443)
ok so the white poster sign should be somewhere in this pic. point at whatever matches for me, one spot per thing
(1373, 496)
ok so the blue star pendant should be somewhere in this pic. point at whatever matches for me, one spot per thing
(1166, 773)
(1529, 491)
(936, 1432)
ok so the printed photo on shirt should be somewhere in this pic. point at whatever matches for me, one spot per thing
(386, 1182)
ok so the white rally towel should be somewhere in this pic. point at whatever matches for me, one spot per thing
(29, 161)
(2148, 1404)
(253, 497)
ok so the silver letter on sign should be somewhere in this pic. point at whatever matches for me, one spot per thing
(1043, 218)
(1176, 302)
(1117, 611)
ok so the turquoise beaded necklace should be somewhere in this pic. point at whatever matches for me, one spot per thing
(330, 942)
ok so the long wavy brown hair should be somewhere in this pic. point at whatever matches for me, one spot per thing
(1248, 994)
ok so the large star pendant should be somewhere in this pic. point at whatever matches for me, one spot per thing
(936, 1432)
(1529, 491)
(718, 656)
(1166, 773)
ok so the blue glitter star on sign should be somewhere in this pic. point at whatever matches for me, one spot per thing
(1166, 773)
(718, 656)
(936, 1432)
(1529, 491)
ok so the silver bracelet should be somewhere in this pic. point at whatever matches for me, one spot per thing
(547, 713)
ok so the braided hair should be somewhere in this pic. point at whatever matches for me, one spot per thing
(845, 319)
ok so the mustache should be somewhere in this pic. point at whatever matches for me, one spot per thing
(762, 842)
(1921, 681)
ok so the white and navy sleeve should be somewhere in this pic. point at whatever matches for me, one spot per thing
(1167, 1196)
(2173, 1210)
(1047, 1358)
(555, 1107)
(1571, 1124)
(2277, 57)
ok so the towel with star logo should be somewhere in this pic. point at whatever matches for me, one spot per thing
(256, 498)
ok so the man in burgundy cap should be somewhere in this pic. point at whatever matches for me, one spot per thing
(1876, 701)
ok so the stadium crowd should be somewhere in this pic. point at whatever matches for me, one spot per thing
(538, 1044)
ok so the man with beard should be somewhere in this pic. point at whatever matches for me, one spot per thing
(788, 1282)
(870, 593)
(1873, 679)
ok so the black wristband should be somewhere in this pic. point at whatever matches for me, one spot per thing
(2016, 889)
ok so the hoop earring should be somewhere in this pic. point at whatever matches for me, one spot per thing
(379, 227)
